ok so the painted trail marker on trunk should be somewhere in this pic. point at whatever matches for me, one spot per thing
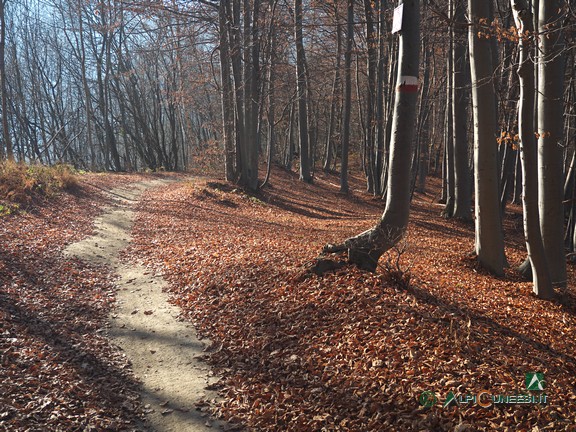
(408, 84)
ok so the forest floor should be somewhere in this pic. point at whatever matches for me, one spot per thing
(163, 350)
(297, 352)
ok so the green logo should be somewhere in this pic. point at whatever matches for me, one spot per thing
(535, 381)
(450, 399)
(427, 399)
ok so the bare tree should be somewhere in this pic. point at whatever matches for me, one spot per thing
(347, 111)
(4, 93)
(534, 245)
(458, 102)
(550, 152)
(301, 81)
(366, 248)
(227, 94)
(489, 237)
(336, 92)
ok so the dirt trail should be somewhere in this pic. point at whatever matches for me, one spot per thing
(163, 349)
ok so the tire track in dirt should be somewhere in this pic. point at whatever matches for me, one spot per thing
(163, 350)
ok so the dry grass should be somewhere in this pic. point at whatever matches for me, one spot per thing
(22, 183)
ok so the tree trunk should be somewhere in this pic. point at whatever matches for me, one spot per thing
(541, 277)
(4, 96)
(271, 91)
(449, 140)
(290, 147)
(462, 192)
(489, 236)
(516, 196)
(389, 113)
(305, 174)
(380, 127)
(550, 117)
(227, 95)
(344, 187)
(234, 10)
(336, 91)
(365, 249)
(423, 121)
(249, 171)
(370, 125)
(86, 90)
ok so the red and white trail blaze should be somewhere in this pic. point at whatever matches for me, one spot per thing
(408, 84)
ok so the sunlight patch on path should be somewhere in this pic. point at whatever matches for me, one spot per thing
(163, 350)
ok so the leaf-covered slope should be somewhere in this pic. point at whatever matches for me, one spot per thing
(350, 350)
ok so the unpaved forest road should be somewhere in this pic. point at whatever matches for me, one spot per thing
(145, 326)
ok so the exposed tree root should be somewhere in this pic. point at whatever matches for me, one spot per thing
(364, 250)
(324, 265)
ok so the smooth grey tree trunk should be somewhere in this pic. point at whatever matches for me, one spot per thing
(389, 111)
(249, 171)
(305, 174)
(85, 87)
(336, 91)
(347, 99)
(271, 90)
(370, 125)
(449, 140)
(227, 96)
(422, 143)
(380, 130)
(462, 192)
(104, 75)
(290, 147)
(365, 249)
(550, 118)
(489, 243)
(3, 90)
(542, 284)
(233, 10)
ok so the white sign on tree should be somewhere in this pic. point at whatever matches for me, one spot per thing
(397, 23)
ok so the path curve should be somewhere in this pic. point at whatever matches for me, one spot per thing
(163, 349)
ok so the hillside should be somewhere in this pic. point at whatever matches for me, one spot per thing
(296, 351)
(350, 350)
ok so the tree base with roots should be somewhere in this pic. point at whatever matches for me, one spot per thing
(366, 248)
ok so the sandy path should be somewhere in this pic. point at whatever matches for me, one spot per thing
(146, 327)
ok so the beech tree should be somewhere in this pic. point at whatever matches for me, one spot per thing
(301, 82)
(335, 97)
(458, 105)
(227, 96)
(489, 244)
(370, 148)
(527, 139)
(347, 111)
(3, 92)
(366, 248)
(550, 152)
